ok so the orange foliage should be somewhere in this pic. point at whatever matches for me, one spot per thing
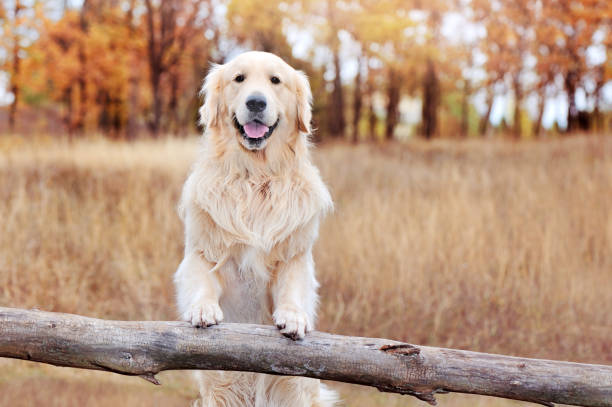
(126, 66)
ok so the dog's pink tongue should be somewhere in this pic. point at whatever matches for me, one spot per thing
(255, 130)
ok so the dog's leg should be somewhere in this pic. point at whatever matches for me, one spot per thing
(198, 291)
(295, 296)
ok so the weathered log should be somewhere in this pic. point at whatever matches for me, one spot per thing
(146, 348)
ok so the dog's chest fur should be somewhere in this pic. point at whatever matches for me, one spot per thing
(260, 211)
(249, 225)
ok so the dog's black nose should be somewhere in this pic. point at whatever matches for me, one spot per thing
(256, 102)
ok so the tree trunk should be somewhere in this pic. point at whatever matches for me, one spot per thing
(357, 100)
(393, 98)
(79, 123)
(133, 91)
(518, 98)
(67, 119)
(173, 125)
(154, 124)
(155, 68)
(337, 123)
(165, 44)
(431, 100)
(465, 108)
(200, 58)
(16, 69)
(572, 111)
(105, 117)
(372, 118)
(484, 120)
(537, 126)
(144, 348)
(133, 100)
(599, 83)
(336, 116)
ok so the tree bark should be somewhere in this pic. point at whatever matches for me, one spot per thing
(133, 91)
(78, 124)
(155, 67)
(337, 116)
(518, 99)
(537, 126)
(465, 108)
(393, 99)
(372, 117)
(571, 80)
(15, 69)
(173, 119)
(144, 348)
(357, 100)
(597, 95)
(484, 120)
(372, 120)
(431, 100)
(337, 121)
(165, 44)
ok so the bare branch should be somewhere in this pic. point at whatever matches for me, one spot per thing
(146, 348)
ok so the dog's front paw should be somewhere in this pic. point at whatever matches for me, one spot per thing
(292, 323)
(204, 314)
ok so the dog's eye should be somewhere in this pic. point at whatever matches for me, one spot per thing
(239, 78)
(275, 80)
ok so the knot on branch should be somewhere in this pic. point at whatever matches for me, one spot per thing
(401, 349)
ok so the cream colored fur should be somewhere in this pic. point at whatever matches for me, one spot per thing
(251, 218)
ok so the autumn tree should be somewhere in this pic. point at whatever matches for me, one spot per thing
(170, 25)
(94, 60)
(547, 68)
(382, 26)
(504, 49)
(17, 24)
(324, 19)
(259, 25)
(405, 37)
(84, 58)
(120, 65)
(520, 17)
(572, 25)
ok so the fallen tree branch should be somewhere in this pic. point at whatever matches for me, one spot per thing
(146, 348)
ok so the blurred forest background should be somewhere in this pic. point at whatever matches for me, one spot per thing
(379, 69)
(485, 244)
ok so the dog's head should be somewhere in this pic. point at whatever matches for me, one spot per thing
(259, 97)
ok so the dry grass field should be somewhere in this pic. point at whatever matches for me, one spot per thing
(489, 246)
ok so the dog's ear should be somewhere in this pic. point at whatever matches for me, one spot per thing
(211, 90)
(304, 100)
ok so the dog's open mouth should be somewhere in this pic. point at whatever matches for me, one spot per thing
(255, 131)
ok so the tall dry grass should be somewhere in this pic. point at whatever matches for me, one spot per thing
(492, 247)
(487, 246)
(91, 227)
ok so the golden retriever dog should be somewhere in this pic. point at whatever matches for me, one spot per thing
(251, 208)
